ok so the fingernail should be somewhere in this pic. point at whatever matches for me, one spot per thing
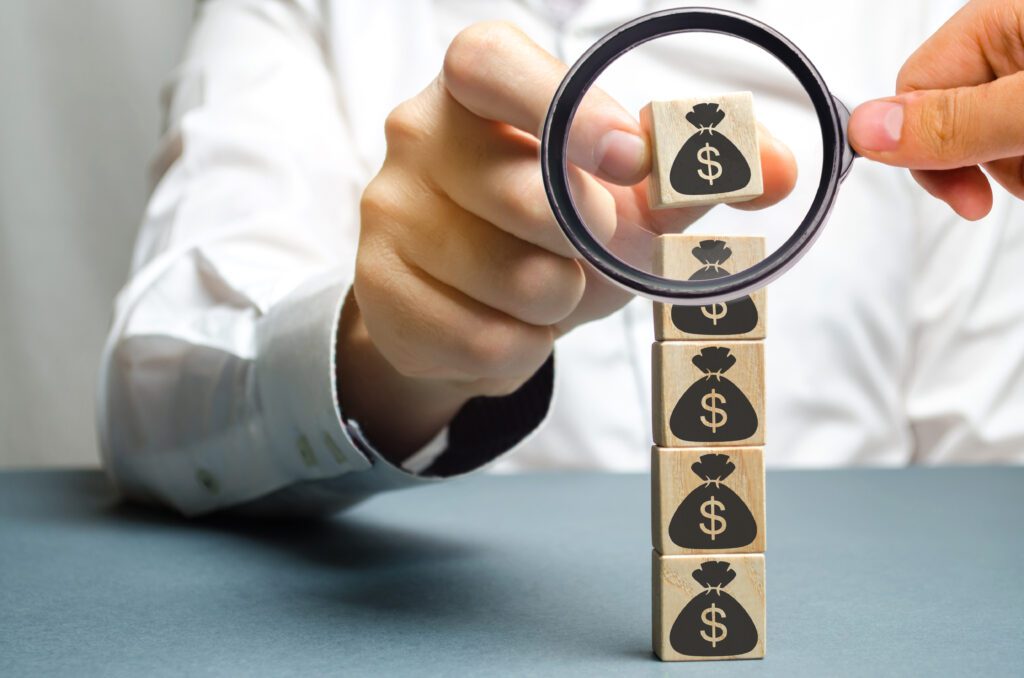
(621, 155)
(877, 125)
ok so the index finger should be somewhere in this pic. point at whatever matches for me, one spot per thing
(498, 73)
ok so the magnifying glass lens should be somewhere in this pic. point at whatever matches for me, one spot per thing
(734, 157)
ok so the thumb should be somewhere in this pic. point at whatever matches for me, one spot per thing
(943, 128)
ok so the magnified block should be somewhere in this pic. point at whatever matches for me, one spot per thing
(694, 257)
(709, 607)
(708, 394)
(705, 151)
(707, 500)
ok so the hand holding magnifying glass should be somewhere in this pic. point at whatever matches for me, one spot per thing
(464, 279)
(957, 110)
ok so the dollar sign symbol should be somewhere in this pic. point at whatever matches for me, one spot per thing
(715, 312)
(717, 522)
(710, 617)
(718, 415)
(714, 168)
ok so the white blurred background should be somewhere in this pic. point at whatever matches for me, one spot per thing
(79, 119)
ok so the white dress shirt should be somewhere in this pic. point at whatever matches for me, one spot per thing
(899, 338)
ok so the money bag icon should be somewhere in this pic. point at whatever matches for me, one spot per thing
(712, 516)
(733, 317)
(708, 162)
(713, 409)
(713, 623)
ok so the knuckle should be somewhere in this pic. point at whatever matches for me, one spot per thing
(537, 212)
(404, 125)
(400, 195)
(473, 46)
(547, 287)
(492, 349)
(375, 204)
(522, 193)
(500, 347)
(942, 121)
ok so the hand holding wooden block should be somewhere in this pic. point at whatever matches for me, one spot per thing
(705, 151)
(696, 257)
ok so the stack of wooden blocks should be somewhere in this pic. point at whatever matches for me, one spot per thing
(707, 465)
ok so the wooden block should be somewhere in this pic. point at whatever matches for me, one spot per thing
(709, 607)
(703, 257)
(708, 394)
(705, 151)
(707, 500)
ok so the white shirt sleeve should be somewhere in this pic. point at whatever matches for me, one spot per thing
(218, 378)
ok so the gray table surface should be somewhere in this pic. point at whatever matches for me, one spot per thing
(911, 572)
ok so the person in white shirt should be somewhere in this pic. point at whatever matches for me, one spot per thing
(348, 279)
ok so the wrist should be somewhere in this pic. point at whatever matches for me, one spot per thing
(398, 414)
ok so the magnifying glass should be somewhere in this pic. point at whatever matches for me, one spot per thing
(788, 87)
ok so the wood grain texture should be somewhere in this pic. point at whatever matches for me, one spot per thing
(692, 513)
(684, 396)
(681, 257)
(668, 129)
(682, 606)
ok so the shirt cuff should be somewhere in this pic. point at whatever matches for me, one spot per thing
(424, 459)
(326, 462)
(295, 381)
(296, 378)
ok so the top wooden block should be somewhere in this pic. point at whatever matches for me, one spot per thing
(704, 151)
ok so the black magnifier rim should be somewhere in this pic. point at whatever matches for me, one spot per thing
(585, 71)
